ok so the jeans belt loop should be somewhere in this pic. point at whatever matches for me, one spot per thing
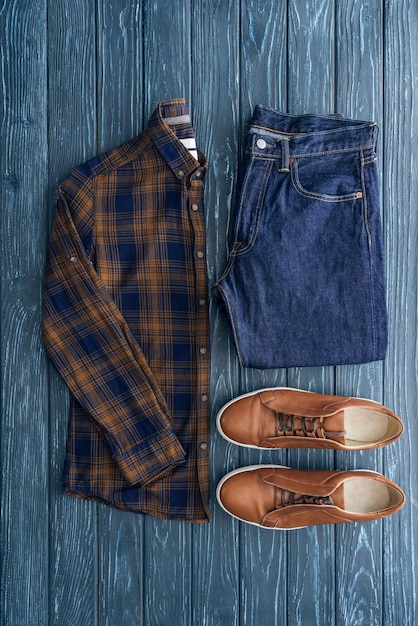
(285, 155)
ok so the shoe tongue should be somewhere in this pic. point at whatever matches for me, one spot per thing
(334, 427)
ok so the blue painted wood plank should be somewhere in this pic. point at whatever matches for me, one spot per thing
(84, 77)
(400, 191)
(120, 72)
(359, 95)
(24, 428)
(72, 139)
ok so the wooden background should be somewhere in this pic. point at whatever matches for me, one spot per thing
(82, 76)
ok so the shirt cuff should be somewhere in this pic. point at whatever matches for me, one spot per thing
(150, 459)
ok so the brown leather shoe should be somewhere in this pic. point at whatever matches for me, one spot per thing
(278, 497)
(290, 418)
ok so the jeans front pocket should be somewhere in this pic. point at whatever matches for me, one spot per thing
(251, 203)
(328, 177)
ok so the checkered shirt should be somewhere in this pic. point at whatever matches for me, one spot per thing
(125, 322)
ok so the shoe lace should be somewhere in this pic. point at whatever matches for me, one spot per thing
(311, 426)
(291, 497)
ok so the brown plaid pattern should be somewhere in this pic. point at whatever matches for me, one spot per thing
(125, 323)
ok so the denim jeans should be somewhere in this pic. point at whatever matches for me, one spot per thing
(304, 284)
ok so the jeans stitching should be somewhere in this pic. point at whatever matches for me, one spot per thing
(317, 133)
(242, 194)
(336, 151)
(369, 241)
(258, 210)
(370, 159)
(259, 155)
(231, 319)
(229, 265)
(317, 196)
(366, 214)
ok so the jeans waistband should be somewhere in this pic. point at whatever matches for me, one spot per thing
(306, 134)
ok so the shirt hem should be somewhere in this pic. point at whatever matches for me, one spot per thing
(159, 514)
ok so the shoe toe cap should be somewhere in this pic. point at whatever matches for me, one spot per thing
(245, 496)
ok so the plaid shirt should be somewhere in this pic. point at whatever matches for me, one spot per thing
(125, 322)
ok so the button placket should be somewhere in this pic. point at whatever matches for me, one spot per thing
(192, 186)
(202, 341)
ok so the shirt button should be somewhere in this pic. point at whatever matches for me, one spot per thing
(180, 173)
(200, 254)
(203, 350)
(204, 398)
(195, 207)
(202, 301)
(203, 445)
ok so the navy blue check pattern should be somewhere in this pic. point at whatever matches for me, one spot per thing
(125, 322)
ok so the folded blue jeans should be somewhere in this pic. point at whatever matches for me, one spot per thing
(304, 283)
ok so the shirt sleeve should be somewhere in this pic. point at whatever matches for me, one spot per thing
(93, 349)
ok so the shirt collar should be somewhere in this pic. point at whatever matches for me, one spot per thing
(166, 141)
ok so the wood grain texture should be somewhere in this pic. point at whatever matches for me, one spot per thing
(263, 76)
(72, 138)
(24, 429)
(311, 58)
(359, 71)
(78, 78)
(401, 366)
(359, 66)
(120, 72)
(121, 555)
(167, 573)
(167, 52)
